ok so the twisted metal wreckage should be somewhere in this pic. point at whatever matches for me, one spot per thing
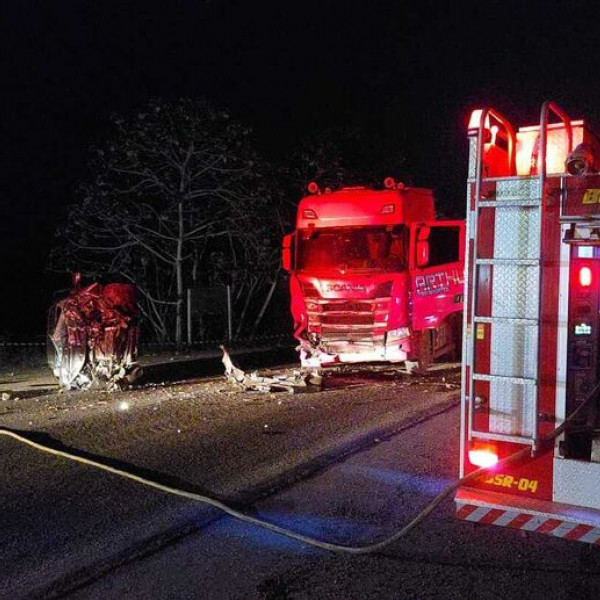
(93, 336)
(298, 381)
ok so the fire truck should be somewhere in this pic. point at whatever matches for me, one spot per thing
(374, 276)
(530, 371)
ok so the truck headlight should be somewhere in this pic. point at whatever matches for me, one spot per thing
(400, 334)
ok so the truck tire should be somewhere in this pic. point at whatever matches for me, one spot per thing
(457, 332)
(425, 357)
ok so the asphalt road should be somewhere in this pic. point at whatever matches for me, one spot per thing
(349, 464)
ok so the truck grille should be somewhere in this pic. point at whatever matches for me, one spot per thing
(348, 320)
(329, 319)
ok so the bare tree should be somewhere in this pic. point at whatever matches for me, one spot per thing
(178, 185)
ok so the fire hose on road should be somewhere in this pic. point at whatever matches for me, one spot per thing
(331, 547)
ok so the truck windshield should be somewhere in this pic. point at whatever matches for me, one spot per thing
(356, 248)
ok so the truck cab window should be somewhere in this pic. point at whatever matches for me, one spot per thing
(354, 248)
(443, 245)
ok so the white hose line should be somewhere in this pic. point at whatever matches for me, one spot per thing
(370, 548)
(375, 547)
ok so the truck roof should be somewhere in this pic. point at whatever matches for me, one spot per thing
(362, 206)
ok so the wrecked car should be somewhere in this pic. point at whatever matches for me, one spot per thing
(93, 337)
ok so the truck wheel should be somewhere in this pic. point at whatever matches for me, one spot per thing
(425, 357)
(457, 330)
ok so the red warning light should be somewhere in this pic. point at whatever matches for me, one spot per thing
(585, 277)
(313, 188)
(483, 457)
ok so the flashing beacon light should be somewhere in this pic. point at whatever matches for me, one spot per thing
(389, 183)
(494, 131)
(585, 277)
(484, 457)
(313, 188)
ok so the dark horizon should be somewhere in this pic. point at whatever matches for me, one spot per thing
(407, 75)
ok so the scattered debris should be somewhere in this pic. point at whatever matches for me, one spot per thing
(296, 382)
(5, 396)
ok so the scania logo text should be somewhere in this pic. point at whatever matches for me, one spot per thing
(345, 287)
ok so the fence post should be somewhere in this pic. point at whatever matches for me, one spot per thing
(189, 316)
(229, 316)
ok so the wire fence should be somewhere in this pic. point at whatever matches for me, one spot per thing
(33, 353)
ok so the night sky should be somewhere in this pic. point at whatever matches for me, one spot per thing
(406, 73)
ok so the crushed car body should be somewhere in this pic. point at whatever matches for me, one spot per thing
(93, 336)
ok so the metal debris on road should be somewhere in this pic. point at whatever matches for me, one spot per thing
(298, 381)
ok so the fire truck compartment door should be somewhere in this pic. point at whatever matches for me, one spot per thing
(577, 482)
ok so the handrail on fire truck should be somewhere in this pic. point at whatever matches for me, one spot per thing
(472, 227)
(548, 106)
(530, 381)
(511, 137)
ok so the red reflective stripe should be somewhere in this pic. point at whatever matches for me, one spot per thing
(491, 516)
(548, 526)
(519, 521)
(578, 532)
(465, 511)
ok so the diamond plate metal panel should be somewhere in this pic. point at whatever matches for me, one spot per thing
(517, 232)
(516, 291)
(514, 349)
(472, 156)
(577, 482)
(520, 189)
(511, 408)
(469, 219)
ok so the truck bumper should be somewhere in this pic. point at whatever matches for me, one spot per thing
(353, 353)
(566, 521)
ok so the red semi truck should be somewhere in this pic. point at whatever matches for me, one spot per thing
(374, 276)
(531, 356)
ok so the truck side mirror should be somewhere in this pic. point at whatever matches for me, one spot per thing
(287, 252)
(422, 253)
(422, 247)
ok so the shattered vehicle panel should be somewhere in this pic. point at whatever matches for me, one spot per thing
(296, 382)
(92, 337)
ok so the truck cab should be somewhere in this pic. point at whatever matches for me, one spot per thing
(374, 276)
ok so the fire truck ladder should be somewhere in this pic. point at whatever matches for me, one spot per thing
(513, 276)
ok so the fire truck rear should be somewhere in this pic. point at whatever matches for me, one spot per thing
(374, 277)
(531, 328)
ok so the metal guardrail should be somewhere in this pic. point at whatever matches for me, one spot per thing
(21, 354)
(198, 343)
(22, 344)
